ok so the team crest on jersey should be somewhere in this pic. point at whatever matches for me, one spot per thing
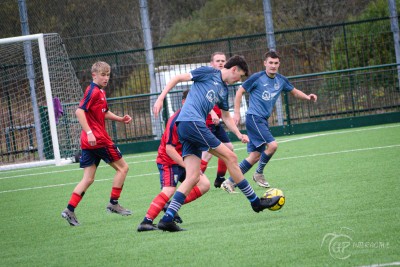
(276, 86)
(211, 96)
(266, 95)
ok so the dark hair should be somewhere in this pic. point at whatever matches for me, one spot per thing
(271, 54)
(184, 94)
(238, 61)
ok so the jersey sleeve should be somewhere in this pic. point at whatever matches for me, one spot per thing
(87, 100)
(172, 137)
(171, 130)
(202, 73)
(250, 83)
(287, 86)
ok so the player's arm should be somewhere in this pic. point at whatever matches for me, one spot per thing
(238, 102)
(214, 117)
(174, 155)
(226, 116)
(184, 77)
(300, 95)
(111, 116)
(80, 114)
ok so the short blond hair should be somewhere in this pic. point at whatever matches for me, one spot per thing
(101, 67)
(216, 53)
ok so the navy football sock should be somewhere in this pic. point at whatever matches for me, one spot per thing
(245, 166)
(247, 190)
(177, 201)
(263, 161)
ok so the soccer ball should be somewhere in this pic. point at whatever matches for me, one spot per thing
(272, 192)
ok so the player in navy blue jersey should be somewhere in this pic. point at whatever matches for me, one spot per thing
(172, 170)
(208, 89)
(218, 60)
(264, 88)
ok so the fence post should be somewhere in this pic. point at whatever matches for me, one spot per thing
(288, 120)
(269, 27)
(395, 29)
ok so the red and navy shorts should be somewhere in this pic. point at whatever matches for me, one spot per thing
(93, 156)
(170, 175)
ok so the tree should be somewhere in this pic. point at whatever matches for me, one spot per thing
(227, 18)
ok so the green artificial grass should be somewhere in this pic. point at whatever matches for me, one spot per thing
(342, 209)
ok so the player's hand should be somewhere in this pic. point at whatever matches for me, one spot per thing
(236, 118)
(91, 139)
(313, 97)
(157, 107)
(244, 138)
(215, 118)
(126, 119)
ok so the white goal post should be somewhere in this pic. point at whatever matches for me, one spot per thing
(39, 92)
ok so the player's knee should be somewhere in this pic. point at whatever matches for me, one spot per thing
(273, 147)
(124, 169)
(229, 145)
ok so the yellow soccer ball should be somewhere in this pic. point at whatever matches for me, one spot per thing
(272, 192)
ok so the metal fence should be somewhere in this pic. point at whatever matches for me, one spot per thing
(339, 63)
(341, 94)
(349, 66)
(303, 51)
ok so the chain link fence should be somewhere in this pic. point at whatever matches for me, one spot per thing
(313, 57)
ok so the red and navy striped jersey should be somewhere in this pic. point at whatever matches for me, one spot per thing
(219, 114)
(94, 103)
(170, 137)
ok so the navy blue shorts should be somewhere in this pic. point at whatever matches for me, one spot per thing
(195, 138)
(170, 175)
(258, 133)
(93, 156)
(219, 132)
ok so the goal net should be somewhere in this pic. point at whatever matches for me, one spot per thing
(39, 93)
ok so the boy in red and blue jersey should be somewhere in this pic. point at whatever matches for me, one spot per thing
(172, 170)
(96, 144)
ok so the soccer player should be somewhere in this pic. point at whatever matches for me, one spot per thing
(218, 60)
(172, 169)
(264, 88)
(209, 88)
(96, 144)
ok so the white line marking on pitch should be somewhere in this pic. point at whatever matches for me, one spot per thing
(141, 175)
(58, 185)
(396, 263)
(237, 149)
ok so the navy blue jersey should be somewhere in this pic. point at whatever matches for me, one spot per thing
(264, 91)
(208, 89)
